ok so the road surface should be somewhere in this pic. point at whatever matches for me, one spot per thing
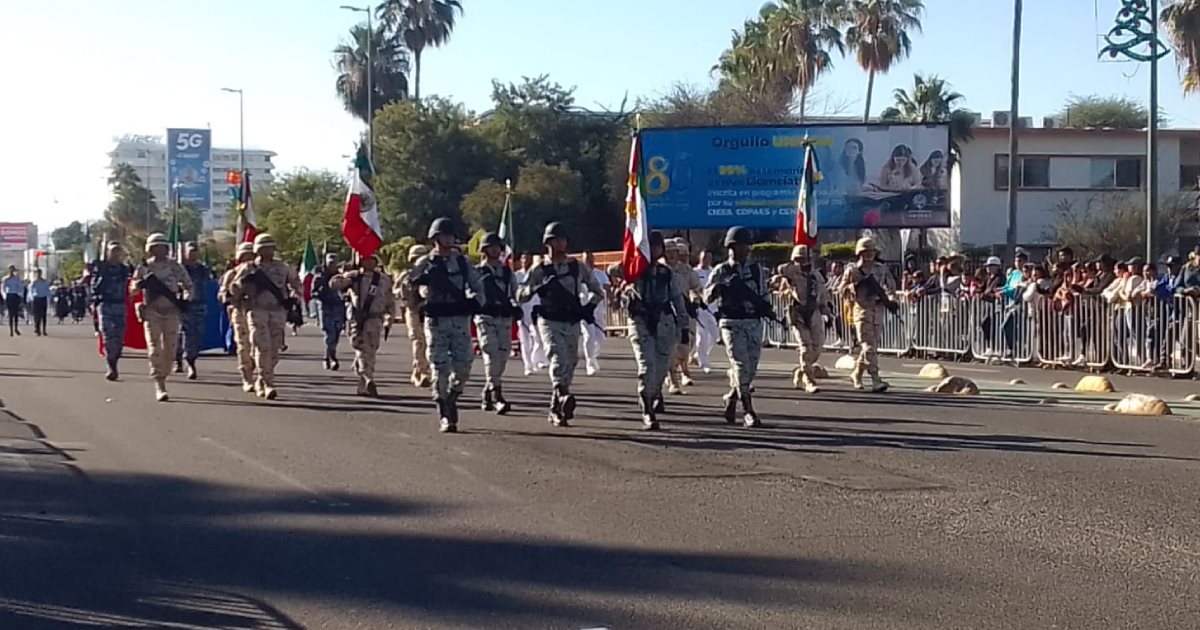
(325, 510)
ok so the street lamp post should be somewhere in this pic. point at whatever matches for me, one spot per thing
(370, 83)
(1014, 158)
(241, 125)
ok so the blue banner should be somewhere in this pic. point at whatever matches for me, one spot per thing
(874, 176)
(189, 159)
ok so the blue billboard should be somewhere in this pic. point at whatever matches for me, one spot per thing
(189, 160)
(874, 176)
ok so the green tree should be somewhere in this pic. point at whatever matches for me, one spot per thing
(753, 67)
(1117, 225)
(931, 101)
(1182, 19)
(304, 204)
(1117, 112)
(541, 194)
(803, 33)
(132, 210)
(70, 265)
(389, 71)
(417, 25)
(878, 35)
(71, 235)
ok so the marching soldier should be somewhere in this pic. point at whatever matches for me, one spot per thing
(167, 288)
(676, 257)
(452, 293)
(412, 315)
(268, 286)
(370, 302)
(657, 310)
(867, 284)
(239, 317)
(110, 286)
(808, 306)
(559, 281)
(495, 320)
(741, 287)
(192, 332)
(333, 309)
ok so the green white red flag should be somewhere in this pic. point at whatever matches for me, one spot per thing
(360, 223)
(635, 247)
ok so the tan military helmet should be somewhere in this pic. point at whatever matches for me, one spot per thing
(681, 246)
(799, 250)
(864, 244)
(157, 238)
(243, 249)
(417, 251)
(263, 240)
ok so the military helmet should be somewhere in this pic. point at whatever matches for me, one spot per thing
(682, 247)
(491, 239)
(417, 251)
(244, 248)
(656, 239)
(864, 244)
(800, 250)
(157, 238)
(190, 246)
(738, 235)
(114, 245)
(263, 240)
(441, 226)
(554, 230)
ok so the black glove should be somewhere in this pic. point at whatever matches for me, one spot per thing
(685, 337)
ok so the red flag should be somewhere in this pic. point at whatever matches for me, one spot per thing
(805, 232)
(635, 247)
(135, 333)
(247, 222)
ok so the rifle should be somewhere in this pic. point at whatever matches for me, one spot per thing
(498, 304)
(263, 283)
(584, 312)
(762, 307)
(155, 288)
(871, 285)
(360, 314)
(436, 273)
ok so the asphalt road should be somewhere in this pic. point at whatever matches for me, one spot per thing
(324, 510)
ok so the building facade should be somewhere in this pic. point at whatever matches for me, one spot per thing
(1080, 169)
(148, 156)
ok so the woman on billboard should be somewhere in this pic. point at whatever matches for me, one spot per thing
(933, 171)
(900, 172)
(854, 169)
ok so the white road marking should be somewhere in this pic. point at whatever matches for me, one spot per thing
(957, 368)
(291, 481)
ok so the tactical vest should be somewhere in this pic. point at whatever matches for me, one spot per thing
(561, 304)
(447, 299)
(654, 287)
(735, 304)
(497, 289)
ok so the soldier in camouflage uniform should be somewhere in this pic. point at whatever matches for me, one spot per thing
(332, 304)
(167, 288)
(741, 287)
(676, 258)
(657, 312)
(110, 286)
(558, 282)
(371, 301)
(412, 315)
(808, 306)
(495, 320)
(239, 317)
(452, 293)
(194, 320)
(267, 285)
(868, 284)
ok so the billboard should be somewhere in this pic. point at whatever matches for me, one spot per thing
(876, 176)
(189, 158)
(14, 237)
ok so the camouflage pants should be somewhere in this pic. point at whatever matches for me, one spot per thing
(653, 352)
(450, 353)
(679, 358)
(561, 340)
(365, 338)
(333, 322)
(495, 344)
(162, 339)
(112, 329)
(191, 333)
(868, 326)
(811, 337)
(266, 335)
(743, 344)
(420, 351)
(239, 320)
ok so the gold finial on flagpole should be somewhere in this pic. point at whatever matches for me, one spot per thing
(637, 121)
(508, 185)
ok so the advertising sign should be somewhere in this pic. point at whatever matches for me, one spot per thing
(189, 158)
(14, 237)
(874, 176)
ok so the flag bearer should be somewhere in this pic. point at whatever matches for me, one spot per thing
(370, 302)
(658, 313)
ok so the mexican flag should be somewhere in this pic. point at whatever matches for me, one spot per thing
(173, 233)
(635, 247)
(360, 223)
(506, 228)
(805, 232)
(308, 268)
(247, 222)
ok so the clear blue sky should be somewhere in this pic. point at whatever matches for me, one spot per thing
(139, 66)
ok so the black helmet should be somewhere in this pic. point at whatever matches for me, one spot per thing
(656, 239)
(554, 230)
(491, 239)
(441, 226)
(738, 235)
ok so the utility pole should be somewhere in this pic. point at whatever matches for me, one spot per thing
(1014, 159)
(370, 80)
(1152, 139)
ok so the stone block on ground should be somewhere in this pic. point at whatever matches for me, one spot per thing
(1095, 384)
(1140, 405)
(934, 370)
(1017, 381)
(1060, 385)
(955, 385)
(846, 362)
(1192, 397)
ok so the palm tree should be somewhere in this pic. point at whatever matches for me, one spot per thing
(931, 101)
(389, 71)
(124, 177)
(878, 34)
(417, 25)
(1182, 19)
(803, 33)
(752, 66)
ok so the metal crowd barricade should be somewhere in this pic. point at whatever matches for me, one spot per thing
(1001, 331)
(1154, 335)
(618, 318)
(942, 325)
(839, 334)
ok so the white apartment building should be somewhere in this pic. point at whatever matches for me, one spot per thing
(1079, 166)
(148, 156)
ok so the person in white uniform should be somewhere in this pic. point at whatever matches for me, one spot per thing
(533, 354)
(593, 334)
(706, 329)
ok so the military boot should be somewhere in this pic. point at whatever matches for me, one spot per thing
(448, 424)
(557, 416)
(333, 364)
(568, 405)
(856, 378)
(248, 387)
(488, 403)
(179, 366)
(160, 390)
(649, 421)
(731, 401)
(452, 407)
(750, 419)
(372, 388)
(502, 406)
(809, 385)
(660, 407)
(111, 372)
(362, 385)
(878, 385)
(191, 370)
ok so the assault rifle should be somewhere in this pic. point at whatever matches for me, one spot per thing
(498, 304)
(742, 293)
(155, 288)
(263, 283)
(871, 285)
(584, 312)
(437, 276)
